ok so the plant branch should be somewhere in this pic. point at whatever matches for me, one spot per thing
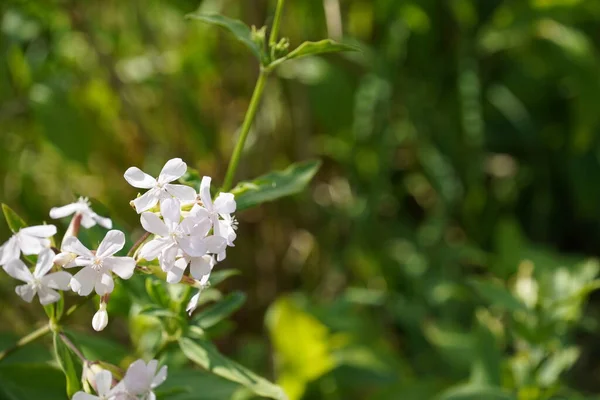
(73, 348)
(25, 340)
(276, 23)
(248, 119)
(137, 244)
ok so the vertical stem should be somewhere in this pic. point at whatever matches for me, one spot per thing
(276, 23)
(248, 119)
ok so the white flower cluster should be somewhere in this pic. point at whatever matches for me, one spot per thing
(139, 383)
(189, 229)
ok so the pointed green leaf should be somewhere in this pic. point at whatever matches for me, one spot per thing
(220, 310)
(31, 381)
(497, 295)
(321, 47)
(275, 184)
(12, 219)
(222, 275)
(476, 392)
(205, 354)
(69, 364)
(240, 30)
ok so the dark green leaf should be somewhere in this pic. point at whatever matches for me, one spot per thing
(12, 219)
(97, 347)
(196, 385)
(222, 275)
(275, 185)
(497, 295)
(475, 392)
(205, 354)
(69, 364)
(321, 47)
(30, 382)
(240, 30)
(220, 310)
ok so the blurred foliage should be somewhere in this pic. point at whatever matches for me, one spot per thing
(443, 251)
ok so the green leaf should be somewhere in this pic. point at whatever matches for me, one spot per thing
(498, 295)
(321, 47)
(68, 363)
(205, 354)
(275, 185)
(222, 275)
(220, 310)
(240, 30)
(96, 347)
(12, 219)
(31, 381)
(476, 392)
(196, 385)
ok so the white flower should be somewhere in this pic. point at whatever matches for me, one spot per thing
(40, 282)
(97, 268)
(203, 280)
(174, 234)
(102, 383)
(200, 267)
(30, 240)
(142, 379)
(88, 217)
(100, 319)
(223, 206)
(160, 188)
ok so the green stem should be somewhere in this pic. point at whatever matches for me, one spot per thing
(276, 23)
(137, 244)
(248, 119)
(25, 340)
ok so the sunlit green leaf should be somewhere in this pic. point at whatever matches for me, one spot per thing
(497, 295)
(68, 363)
(275, 185)
(321, 47)
(240, 30)
(12, 219)
(475, 392)
(205, 354)
(220, 310)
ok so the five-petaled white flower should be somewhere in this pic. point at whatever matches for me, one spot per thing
(102, 382)
(96, 271)
(200, 267)
(30, 240)
(88, 217)
(40, 282)
(174, 234)
(160, 188)
(223, 206)
(141, 378)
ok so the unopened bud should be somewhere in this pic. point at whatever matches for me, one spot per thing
(100, 319)
(281, 48)
(64, 258)
(259, 36)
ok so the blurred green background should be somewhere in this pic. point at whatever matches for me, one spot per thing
(443, 250)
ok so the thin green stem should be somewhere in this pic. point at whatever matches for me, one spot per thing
(73, 348)
(248, 119)
(276, 23)
(137, 244)
(25, 340)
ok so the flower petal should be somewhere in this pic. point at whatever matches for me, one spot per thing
(18, 270)
(83, 282)
(39, 231)
(44, 263)
(153, 248)
(205, 193)
(103, 382)
(61, 212)
(193, 246)
(193, 303)
(173, 170)
(122, 266)
(87, 221)
(104, 285)
(170, 210)
(160, 377)
(112, 243)
(84, 396)
(57, 280)
(102, 221)
(138, 178)
(9, 250)
(195, 226)
(167, 258)
(146, 201)
(200, 266)
(136, 379)
(225, 203)
(72, 245)
(215, 244)
(26, 292)
(175, 274)
(153, 224)
(47, 295)
(30, 244)
(181, 192)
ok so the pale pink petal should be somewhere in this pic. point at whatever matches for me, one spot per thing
(153, 224)
(112, 243)
(146, 201)
(104, 285)
(44, 263)
(182, 192)
(151, 369)
(26, 292)
(72, 245)
(225, 203)
(136, 379)
(57, 280)
(9, 250)
(47, 295)
(103, 382)
(170, 210)
(40, 231)
(61, 212)
(138, 178)
(173, 170)
(122, 266)
(83, 282)
(205, 193)
(18, 270)
(153, 248)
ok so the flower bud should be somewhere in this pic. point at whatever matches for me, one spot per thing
(64, 258)
(100, 319)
